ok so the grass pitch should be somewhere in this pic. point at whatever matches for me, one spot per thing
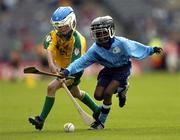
(152, 111)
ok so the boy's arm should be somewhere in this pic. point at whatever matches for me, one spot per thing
(48, 45)
(53, 68)
(138, 50)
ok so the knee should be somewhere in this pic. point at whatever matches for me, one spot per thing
(107, 95)
(75, 95)
(51, 89)
(122, 89)
(98, 97)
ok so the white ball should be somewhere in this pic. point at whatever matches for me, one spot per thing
(69, 127)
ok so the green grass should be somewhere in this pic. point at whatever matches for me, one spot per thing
(152, 111)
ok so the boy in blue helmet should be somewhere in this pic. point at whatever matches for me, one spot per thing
(115, 54)
(64, 44)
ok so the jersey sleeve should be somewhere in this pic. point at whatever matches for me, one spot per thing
(137, 50)
(47, 41)
(83, 43)
(82, 62)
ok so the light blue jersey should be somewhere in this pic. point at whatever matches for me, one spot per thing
(119, 54)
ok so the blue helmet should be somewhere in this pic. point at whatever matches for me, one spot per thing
(63, 16)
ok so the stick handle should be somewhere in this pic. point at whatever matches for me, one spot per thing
(87, 119)
(72, 98)
(56, 75)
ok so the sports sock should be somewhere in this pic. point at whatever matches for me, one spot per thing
(104, 113)
(49, 101)
(87, 100)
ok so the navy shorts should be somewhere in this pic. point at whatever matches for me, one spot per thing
(106, 75)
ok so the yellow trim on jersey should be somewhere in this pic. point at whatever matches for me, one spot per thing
(83, 44)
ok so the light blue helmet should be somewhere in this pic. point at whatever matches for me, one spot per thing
(63, 16)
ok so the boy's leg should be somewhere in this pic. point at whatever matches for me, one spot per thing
(123, 87)
(81, 95)
(99, 123)
(85, 98)
(38, 121)
(98, 95)
(48, 104)
(103, 81)
(108, 100)
(106, 105)
(122, 95)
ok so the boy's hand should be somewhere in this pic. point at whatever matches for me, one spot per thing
(64, 73)
(158, 50)
(61, 80)
(54, 69)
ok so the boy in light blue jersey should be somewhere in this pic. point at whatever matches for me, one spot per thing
(114, 53)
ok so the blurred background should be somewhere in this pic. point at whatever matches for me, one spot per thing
(24, 24)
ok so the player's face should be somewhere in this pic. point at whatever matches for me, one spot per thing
(101, 35)
(64, 30)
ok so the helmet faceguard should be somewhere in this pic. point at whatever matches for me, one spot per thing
(102, 29)
(64, 21)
